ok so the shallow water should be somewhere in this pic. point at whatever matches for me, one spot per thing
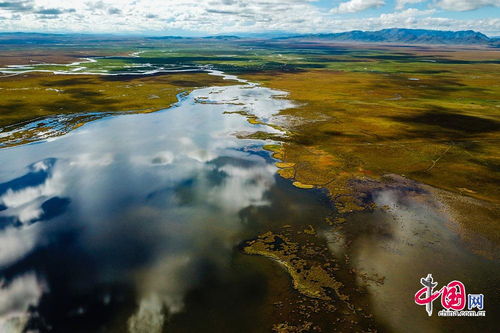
(124, 216)
(133, 222)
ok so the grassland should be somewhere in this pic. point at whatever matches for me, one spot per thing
(429, 113)
(362, 114)
(435, 122)
(34, 95)
(368, 123)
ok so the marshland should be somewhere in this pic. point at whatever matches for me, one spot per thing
(248, 185)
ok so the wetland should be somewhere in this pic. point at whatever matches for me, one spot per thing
(246, 186)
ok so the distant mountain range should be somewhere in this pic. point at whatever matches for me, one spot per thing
(395, 35)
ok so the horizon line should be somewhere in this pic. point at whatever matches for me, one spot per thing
(239, 34)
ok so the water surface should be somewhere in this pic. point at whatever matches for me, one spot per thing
(109, 226)
(134, 223)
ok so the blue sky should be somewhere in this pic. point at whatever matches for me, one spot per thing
(206, 17)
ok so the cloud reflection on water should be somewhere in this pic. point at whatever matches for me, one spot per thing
(405, 238)
(150, 202)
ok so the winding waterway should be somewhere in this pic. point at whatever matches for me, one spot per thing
(132, 223)
(139, 205)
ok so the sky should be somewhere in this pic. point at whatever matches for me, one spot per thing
(214, 17)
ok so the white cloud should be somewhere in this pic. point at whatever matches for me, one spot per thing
(150, 316)
(15, 300)
(421, 19)
(354, 6)
(220, 16)
(464, 5)
(400, 4)
(25, 203)
(150, 15)
(15, 243)
(404, 17)
(93, 160)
